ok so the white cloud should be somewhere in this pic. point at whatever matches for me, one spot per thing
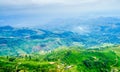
(82, 29)
(20, 10)
(73, 5)
(43, 2)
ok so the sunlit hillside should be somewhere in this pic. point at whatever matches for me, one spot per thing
(65, 59)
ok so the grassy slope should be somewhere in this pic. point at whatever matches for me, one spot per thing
(72, 59)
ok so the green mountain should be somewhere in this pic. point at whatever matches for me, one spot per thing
(64, 59)
(16, 41)
(38, 50)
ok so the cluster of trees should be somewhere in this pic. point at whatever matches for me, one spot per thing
(73, 59)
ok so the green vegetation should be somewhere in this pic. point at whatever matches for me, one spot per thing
(64, 59)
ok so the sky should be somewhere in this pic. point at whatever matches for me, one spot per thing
(31, 13)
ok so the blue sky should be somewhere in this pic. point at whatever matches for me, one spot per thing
(40, 12)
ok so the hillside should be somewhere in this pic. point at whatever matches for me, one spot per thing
(64, 59)
(16, 41)
(88, 45)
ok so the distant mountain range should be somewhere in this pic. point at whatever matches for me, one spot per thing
(87, 33)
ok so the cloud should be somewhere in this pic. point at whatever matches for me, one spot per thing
(59, 2)
(41, 11)
(57, 6)
(44, 2)
(82, 29)
(62, 5)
